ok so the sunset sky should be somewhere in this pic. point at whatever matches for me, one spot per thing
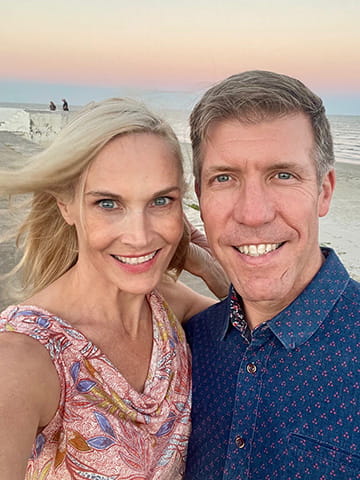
(176, 45)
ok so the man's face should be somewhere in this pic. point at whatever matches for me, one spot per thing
(260, 202)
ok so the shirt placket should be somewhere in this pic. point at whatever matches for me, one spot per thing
(246, 404)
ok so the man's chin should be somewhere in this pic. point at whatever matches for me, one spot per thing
(263, 290)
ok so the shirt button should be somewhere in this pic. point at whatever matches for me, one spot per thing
(240, 442)
(251, 368)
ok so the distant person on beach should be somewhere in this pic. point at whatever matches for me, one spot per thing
(65, 105)
(94, 365)
(276, 364)
(52, 106)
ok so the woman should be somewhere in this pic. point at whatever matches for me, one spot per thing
(94, 364)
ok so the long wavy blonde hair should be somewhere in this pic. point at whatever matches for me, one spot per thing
(48, 245)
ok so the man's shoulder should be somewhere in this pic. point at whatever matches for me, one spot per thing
(211, 319)
(354, 284)
(333, 284)
(211, 312)
(351, 293)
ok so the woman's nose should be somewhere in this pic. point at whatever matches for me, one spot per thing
(135, 228)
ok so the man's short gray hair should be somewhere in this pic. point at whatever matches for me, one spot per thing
(255, 96)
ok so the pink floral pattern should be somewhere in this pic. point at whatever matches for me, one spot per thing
(104, 429)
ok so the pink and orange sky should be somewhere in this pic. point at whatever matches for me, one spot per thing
(178, 45)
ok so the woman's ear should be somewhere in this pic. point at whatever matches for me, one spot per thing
(66, 210)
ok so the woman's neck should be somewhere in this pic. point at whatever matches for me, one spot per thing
(80, 301)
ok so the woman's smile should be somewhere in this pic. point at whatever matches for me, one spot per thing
(136, 260)
(135, 220)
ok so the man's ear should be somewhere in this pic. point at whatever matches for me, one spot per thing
(65, 210)
(326, 193)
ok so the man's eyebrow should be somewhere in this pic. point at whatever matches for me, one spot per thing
(281, 165)
(285, 165)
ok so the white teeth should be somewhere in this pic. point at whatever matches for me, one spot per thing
(253, 251)
(261, 249)
(258, 250)
(135, 260)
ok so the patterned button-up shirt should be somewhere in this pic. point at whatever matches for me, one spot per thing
(281, 402)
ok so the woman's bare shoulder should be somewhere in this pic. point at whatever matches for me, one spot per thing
(27, 371)
(29, 398)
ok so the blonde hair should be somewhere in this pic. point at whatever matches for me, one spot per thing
(48, 245)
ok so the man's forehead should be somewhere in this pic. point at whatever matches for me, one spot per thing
(257, 120)
(278, 143)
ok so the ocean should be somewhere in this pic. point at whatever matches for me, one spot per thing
(346, 134)
(176, 109)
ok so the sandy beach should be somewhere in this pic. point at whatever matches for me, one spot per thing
(340, 229)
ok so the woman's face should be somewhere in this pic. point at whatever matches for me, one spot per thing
(129, 217)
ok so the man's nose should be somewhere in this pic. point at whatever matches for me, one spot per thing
(254, 204)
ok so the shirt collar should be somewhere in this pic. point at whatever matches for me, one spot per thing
(294, 325)
(237, 315)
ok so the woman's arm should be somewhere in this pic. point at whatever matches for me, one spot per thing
(200, 262)
(29, 397)
(184, 302)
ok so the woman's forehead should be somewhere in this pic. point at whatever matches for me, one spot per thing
(137, 161)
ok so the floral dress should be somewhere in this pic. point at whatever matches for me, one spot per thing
(104, 429)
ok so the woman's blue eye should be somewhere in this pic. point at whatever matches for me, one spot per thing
(107, 203)
(223, 178)
(161, 201)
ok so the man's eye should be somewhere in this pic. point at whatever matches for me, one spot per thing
(284, 176)
(222, 178)
(107, 204)
(161, 201)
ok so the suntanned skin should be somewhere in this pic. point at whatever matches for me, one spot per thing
(31, 390)
(127, 219)
(259, 188)
(28, 400)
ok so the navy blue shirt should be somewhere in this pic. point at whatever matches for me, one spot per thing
(281, 402)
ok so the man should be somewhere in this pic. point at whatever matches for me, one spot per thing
(275, 365)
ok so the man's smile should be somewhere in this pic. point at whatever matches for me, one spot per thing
(256, 250)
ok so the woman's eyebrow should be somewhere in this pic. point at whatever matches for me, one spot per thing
(102, 193)
(108, 194)
(165, 191)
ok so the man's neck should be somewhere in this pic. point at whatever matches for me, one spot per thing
(256, 313)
